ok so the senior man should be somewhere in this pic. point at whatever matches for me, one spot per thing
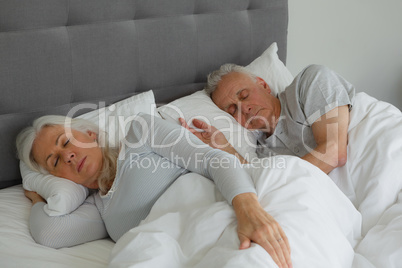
(308, 119)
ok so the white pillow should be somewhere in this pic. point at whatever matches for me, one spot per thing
(269, 67)
(199, 105)
(64, 196)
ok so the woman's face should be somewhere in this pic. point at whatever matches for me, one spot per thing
(69, 154)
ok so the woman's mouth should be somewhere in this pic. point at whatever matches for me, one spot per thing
(80, 164)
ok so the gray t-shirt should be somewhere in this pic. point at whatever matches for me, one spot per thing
(155, 153)
(315, 91)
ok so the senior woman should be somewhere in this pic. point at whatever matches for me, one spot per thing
(74, 149)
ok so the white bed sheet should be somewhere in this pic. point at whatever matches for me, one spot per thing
(18, 249)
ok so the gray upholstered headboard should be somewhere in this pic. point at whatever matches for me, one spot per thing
(56, 53)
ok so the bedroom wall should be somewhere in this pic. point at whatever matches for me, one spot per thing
(359, 39)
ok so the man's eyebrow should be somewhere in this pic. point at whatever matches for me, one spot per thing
(57, 141)
(237, 94)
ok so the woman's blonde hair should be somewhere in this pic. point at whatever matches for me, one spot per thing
(26, 138)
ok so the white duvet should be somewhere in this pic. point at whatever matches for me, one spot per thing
(191, 225)
(372, 179)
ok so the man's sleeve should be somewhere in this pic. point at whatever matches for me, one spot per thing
(321, 90)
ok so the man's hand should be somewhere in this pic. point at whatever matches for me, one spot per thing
(212, 136)
(256, 225)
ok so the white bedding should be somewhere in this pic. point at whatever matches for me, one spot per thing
(372, 179)
(199, 229)
(196, 231)
(18, 249)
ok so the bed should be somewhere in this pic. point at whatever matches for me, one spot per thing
(105, 59)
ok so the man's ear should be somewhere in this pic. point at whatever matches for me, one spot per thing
(262, 82)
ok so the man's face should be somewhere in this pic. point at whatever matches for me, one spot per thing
(250, 102)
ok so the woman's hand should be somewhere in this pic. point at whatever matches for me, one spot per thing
(256, 225)
(209, 134)
(34, 197)
(212, 136)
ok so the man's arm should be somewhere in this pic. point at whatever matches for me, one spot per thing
(331, 135)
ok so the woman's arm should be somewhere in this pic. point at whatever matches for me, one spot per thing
(80, 226)
(213, 137)
(254, 223)
(184, 149)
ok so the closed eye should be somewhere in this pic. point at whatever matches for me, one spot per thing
(57, 159)
(232, 109)
(65, 144)
(243, 95)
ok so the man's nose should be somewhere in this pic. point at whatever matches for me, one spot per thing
(245, 108)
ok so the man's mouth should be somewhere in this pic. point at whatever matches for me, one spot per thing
(81, 164)
(256, 115)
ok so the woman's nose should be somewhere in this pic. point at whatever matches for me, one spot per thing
(68, 156)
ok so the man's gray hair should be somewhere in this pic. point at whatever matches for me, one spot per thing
(216, 76)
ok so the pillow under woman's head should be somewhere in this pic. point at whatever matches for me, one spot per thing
(64, 196)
